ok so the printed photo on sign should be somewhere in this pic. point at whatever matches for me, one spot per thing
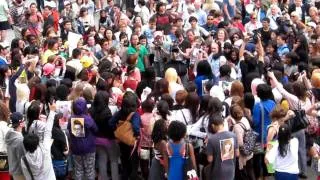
(204, 86)
(77, 125)
(227, 149)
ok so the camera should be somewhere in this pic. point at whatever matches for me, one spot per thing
(175, 47)
(254, 37)
(283, 24)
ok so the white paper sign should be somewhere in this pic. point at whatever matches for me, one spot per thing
(73, 40)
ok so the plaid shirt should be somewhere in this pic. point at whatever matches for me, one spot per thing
(17, 13)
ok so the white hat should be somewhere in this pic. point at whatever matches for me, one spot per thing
(217, 91)
(51, 4)
(312, 24)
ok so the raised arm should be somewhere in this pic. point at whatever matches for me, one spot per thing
(292, 99)
(49, 125)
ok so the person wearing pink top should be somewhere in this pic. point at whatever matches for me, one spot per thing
(147, 122)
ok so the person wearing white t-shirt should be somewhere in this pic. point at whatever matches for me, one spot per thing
(283, 154)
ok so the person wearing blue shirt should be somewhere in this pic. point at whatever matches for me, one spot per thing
(204, 74)
(209, 26)
(283, 48)
(129, 154)
(267, 102)
(3, 53)
(201, 14)
(229, 9)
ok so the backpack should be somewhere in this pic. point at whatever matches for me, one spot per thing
(249, 140)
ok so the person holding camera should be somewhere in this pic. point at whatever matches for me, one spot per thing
(160, 52)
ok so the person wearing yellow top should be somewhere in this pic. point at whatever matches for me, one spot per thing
(53, 49)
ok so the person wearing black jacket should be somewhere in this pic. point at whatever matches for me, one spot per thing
(59, 148)
(107, 147)
(304, 9)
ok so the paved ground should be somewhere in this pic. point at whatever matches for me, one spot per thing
(311, 175)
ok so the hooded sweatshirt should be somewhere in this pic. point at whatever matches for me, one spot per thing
(40, 160)
(84, 142)
(3, 131)
(15, 150)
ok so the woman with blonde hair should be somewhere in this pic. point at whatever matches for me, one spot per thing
(172, 77)
(23, 93)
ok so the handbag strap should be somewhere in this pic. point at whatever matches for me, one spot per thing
(28, 166)
(185, 120)
(67, 142)
(130, 116)
(262, 121)
(243, 126)
(186, 153)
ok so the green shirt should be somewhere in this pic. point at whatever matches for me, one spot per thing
(142, 53)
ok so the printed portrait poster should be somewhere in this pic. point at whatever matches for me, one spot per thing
(77, 127)
(203, 83)
(227, 149)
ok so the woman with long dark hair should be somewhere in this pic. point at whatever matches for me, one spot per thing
(204, 74)
(284, 155)
(163, 109)
(59, 148)
(159, 165)
(298, 99)
(129, 154)
(301, 48)
(4, 80)
(107, 147)
(161, 87)
(189, 114)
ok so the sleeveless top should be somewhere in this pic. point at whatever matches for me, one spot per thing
(176, 161)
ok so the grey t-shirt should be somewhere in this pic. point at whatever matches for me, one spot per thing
(222, 147)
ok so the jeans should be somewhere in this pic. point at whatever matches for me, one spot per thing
(112, 154)
(302, 160)
(159, 68)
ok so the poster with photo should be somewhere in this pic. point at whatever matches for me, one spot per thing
(77, 127)
(227, 149)
(203, 83)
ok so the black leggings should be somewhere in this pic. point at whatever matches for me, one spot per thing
(247, 172)
(130, 164)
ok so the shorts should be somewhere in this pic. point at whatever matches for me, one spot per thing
(4, 25)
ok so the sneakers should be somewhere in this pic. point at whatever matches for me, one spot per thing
(302, 176)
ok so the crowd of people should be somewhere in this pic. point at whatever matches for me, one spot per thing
(155, 90)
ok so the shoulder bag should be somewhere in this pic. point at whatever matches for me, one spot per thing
(124, 131)
(300, 121)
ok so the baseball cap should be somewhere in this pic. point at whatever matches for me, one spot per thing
(51, 4)
(312, 24)
(158, 33)
(4, 45)
(66, 3)
(16, 119)
(48, 69)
